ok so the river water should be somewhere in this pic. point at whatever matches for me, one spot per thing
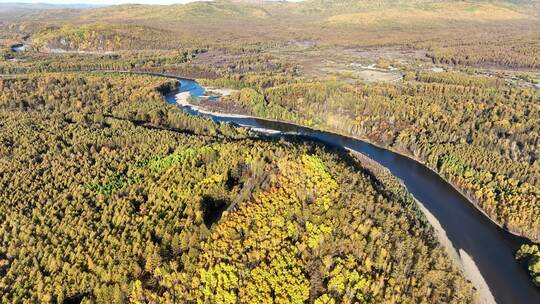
(490, 247)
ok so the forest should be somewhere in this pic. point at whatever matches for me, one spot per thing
(476, 131)
(111, 196)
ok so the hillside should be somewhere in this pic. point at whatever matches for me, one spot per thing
(178, 12)
(13, 11)
(432, 15)
(103, 37)
(342, 22)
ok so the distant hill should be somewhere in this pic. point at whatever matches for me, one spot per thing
(12, 11)
(102, 37)
(44, 5)
(432, 13)
(222, 21)
(384, 11)
(335, 11)
(203, 9)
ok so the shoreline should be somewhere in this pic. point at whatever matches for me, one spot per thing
(461, 258)
(471, 200)
(202, 110)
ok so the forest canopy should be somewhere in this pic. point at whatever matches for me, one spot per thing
(476, 131)
(111, 195)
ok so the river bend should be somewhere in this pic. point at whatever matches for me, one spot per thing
(469, 230)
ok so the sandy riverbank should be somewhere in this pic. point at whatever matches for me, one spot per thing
(461, 259)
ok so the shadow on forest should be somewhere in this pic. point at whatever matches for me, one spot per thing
(77, 299)
(212, 209)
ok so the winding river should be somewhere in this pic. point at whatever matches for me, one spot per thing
(474, 237)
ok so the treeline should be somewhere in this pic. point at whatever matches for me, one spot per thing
(37, 63)
(77, 92)
(185, 62)
(96, 97)
(109, 195)
(478, 132)
(507, 51)
(459, 78)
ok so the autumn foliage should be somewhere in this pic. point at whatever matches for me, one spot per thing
(109, 195)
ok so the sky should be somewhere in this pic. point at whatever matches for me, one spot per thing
(98, 2)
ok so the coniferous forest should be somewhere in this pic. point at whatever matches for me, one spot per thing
(476, 131)
(110, 194)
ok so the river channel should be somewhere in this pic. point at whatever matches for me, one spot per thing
(490, 247)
